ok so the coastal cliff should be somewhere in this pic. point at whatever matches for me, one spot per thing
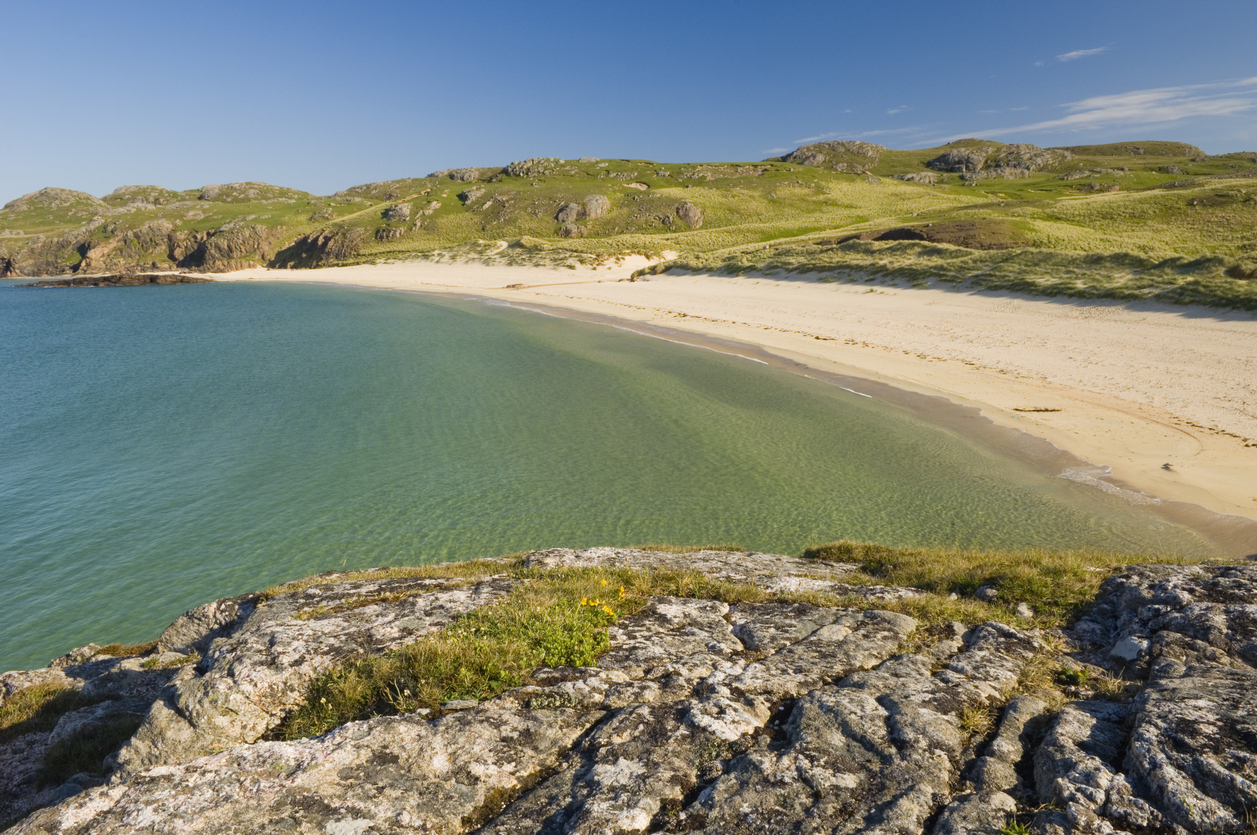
(762, 693)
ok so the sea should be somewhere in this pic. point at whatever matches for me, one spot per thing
(161, 447)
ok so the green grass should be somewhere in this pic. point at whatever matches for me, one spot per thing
(1058, 585)
(36, 709)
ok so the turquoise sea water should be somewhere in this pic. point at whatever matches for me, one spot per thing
(162, 447)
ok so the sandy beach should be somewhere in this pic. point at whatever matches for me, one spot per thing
(1165, 397)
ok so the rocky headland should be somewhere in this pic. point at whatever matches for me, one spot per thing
(120, 280)
(765, 694)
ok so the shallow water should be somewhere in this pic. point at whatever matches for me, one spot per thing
(166, 446)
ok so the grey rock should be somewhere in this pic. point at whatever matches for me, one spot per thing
(1194, 746)
(569, 213)
(1129, 648)
(596, 205)
(987, 594)
(1023, 610)
(924, 177)
(397, 212)
(397, 774)
(690, 215)
(984, 813)
(996, 770)
(532, 167)
(470, 195)
(249, 681)
(196, 629)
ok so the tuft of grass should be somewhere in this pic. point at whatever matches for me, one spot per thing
(36, 709)
(127, 650)
(1015, 827)
(1058, 585)
(156, 663)
(86, 750)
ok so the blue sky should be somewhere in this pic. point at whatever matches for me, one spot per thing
(322, 95)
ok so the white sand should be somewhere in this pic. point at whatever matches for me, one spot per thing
(1132, 386)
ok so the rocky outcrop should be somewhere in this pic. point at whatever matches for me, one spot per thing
(701, 716)
(52, 198)
(322, 247)
(843, 156)
(120, 280)
(532, 167)
(398, 212)
(458, 175)
(992, 161)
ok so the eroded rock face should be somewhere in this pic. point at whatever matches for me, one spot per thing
(251, 679)
(702, 716)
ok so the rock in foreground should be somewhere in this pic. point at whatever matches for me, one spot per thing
(702, 716)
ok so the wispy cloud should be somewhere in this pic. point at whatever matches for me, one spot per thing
(1081, 53)
(900, 109)
(775, 150)
(1145, 107)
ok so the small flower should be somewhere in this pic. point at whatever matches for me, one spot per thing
(603, 581)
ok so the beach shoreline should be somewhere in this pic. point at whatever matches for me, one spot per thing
(1129, 388)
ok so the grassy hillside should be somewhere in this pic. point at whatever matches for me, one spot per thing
(1130, 220)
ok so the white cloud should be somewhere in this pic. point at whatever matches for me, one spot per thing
(1080, 53)
(1145, 107)
(775, 150)
(818, 138)
(900, 109)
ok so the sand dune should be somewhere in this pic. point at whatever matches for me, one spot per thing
(1133, 387)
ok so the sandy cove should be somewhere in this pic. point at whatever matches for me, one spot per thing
(1129, 386)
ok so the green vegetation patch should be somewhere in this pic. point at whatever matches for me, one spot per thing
(36, 709)
(1209, 280)
(1058, 585)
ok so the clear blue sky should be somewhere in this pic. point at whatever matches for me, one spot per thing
(321, 95)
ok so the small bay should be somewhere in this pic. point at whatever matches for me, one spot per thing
(162, 447)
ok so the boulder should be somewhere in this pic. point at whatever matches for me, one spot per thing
(397, 213)
(690, 215)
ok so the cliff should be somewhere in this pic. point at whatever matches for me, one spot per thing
(763, 693)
